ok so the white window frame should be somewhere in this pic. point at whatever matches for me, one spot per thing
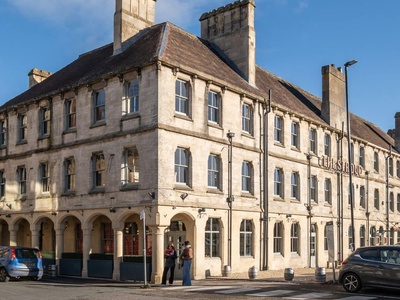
(327, 145)
(328, 190)
(295, 238)
(247, 171)
(278, 182)
(44, 174)
(99, 106)
(44, 121)
(70, 174)
(247, 118)
(295, 135)
(278, 238)
(313, 141)
(70, 113)
(214, 107)
(182, 166)
(295, 186)
(22, 127)
(99, 170)
(3, 132)
(212, 238)
(278, 129)
(22, 180)
(131, 97)
(214, 171)
(314, 188)
(246, 238)
(130, 166)
(182, 97)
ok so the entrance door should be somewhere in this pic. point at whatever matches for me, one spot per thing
(178, 237)
(313, 248)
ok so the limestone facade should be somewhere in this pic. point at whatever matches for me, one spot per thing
(86, 165)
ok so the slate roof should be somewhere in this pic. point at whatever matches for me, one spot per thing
(174, 46)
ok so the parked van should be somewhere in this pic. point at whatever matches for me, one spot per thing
(16, 262)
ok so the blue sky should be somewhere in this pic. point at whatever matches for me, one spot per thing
(294, 39)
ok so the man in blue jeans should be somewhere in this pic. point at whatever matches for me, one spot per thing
(186, 258)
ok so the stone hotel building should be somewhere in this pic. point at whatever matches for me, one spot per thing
(162, 135)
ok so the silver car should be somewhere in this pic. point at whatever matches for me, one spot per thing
(377, 266)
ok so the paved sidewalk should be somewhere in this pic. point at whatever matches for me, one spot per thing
(300, 275)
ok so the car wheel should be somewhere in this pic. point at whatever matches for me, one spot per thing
(351, 283)
(3, 275)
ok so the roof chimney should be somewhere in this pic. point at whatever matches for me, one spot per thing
(36, 76)
(130, 17)
(231, 28)
(333, 109)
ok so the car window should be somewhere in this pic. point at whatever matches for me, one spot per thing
(4, 252)
(370, 254)
(26, 253)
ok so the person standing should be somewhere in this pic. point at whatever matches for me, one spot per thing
(170, 258)
(186, 258)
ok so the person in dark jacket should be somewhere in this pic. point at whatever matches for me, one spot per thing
(169, 265)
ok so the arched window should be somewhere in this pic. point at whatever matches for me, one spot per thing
(99, 170)
(212, 238)
(246, 238)
(278, 182)
(372, 236)
(247, 171)
(130, 166)
(376, 199)
(214, 171)
(295, 135)
(362, 236)
(295, 238)
(295, 186)
(278, 129)
(350, 235)
(182, 166)
(278, 237)
(362, 196)
(328, 191)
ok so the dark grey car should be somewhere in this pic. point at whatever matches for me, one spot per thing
(377, 266)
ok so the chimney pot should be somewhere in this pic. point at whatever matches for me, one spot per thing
(36, 76)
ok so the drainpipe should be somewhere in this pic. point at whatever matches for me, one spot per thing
(267, 109)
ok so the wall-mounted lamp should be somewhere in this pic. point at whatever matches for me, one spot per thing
(174, 207)
(8, 216)
(152, 195)
(54, 213)
(9, 205)
(112, 210)
(184, 195)
(288, 216)
(202, 210)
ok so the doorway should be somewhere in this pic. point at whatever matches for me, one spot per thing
(313, 248)
(176, 233)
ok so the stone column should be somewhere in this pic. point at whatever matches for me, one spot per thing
(34, 238)
(158, 253)
(59, 245)
(118, 252)
(87, 240)
(13, 237)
